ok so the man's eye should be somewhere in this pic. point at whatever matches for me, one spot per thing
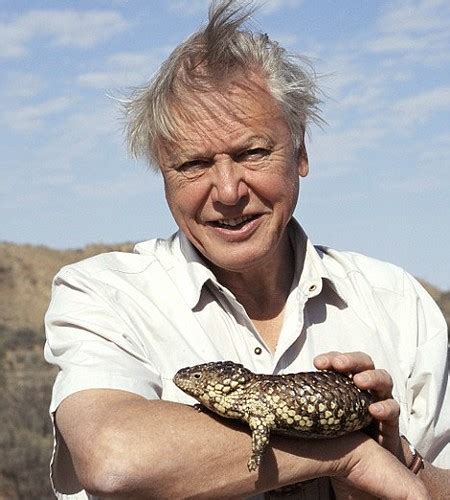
(192, 165)
(254, 153)
(189, 164)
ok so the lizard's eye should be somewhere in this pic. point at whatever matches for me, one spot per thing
(197, 375)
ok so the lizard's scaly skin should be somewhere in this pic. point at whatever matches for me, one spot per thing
(307, 404)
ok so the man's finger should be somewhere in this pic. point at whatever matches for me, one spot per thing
(324, 361)
(352, 362)
(379, 381)
(387, 410)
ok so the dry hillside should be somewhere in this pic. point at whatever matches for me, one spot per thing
(26, 274)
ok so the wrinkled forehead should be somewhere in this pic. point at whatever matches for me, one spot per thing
(221, 114)
(236, 101)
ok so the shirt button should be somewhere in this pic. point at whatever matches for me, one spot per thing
(258, 350)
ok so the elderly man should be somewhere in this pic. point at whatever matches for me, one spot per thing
(224, 120)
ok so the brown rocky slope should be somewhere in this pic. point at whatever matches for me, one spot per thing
(26, 273)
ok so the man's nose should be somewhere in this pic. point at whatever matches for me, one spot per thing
(229, 185)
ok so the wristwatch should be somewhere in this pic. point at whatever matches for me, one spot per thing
(417, 461)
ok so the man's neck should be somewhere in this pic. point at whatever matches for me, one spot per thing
(263, 290)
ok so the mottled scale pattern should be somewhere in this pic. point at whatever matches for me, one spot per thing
(315, 404)
(308, 404)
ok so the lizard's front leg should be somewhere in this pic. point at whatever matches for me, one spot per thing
(260, 440)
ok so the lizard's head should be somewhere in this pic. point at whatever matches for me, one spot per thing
(213, 384)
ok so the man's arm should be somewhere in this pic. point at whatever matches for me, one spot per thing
(124, 446)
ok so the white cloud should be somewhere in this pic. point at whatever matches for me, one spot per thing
(369, 98)
(420, 107)
(79, 138)
(398, 43)
(25, 118)
(69, 28)
(286, 39)
(131, 60)
(270, 6)
(58, 179)
(124, 69)
(376, 91)
(188, 7)
(131, 184)
(339, 147)
(19, 84)
(412, 184)
(341, 70)
(191, 7)
(434, 156)
(413, 26)
(108, 79)
(415, 16)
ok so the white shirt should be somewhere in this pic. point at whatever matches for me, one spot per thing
(130, 321)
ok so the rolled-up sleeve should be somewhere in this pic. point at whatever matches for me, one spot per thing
(91, 344)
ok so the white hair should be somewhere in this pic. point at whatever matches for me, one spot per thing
(225, 47)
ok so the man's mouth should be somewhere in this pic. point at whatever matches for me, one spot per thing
(235, 223)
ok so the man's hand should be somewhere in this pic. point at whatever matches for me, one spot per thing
(386, 413)
(375, 473)
(386, 410)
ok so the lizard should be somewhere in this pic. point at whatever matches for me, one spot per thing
(316, 404)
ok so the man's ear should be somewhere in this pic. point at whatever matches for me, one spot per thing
(302, 162)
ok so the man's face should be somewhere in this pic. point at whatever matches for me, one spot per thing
(232, 180)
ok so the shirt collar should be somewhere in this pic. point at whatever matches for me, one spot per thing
(310, 272)
(194, 273)
(309, 278)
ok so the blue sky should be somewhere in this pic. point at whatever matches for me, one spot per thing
(380, 179)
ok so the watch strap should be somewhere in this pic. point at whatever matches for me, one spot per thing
(417, 462)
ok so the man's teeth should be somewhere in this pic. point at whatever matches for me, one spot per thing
(234, 222)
